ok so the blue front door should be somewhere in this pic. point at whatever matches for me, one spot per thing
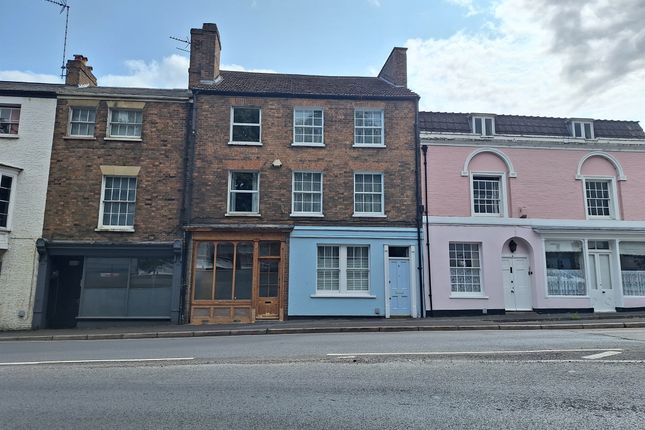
(399, 287)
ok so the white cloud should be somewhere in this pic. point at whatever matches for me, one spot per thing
(469, 5)
(539, 57)
(374, 3)
(20, 76)
(170, 72)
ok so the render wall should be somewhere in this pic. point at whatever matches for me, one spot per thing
(30, 151)
(546, 184)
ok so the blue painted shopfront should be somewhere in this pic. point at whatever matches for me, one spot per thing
(344, 271)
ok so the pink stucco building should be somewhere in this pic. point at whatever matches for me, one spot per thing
(532, 213)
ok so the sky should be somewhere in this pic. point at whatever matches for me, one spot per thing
(573, 58)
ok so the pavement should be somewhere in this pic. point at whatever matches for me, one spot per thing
(511, 321)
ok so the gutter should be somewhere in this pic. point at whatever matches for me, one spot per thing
(418, 217)
(187, 201)
(424, 148)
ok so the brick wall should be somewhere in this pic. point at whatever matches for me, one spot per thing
(214, 158)
(75, 177)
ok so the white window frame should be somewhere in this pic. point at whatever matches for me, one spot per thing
(582, 129)
(322, 126)
(232, 123)
(462, 294)
(228, 193)
(16, 107)
(71, 116)
(13, 174)
(370, 145)
(109, 227)
(293, 195)
(342, 273)
(483, 119)
(380, 214)
(503, 210)
(109, 134)
(614, 212)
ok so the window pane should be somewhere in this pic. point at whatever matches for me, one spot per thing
(246, 133)
(104, 288)
(246, 115)
(243, 270)
(269, 249)
(632, 264)
(598, 198)
(328, 273)
(464, 267)
(119, 198)
(565, 272)
(204, 271)
(224, 271)
(268, 278)
(486, 195)
(150, 287)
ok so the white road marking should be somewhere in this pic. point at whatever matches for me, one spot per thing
(532, 351)
(114, 360)
(601, 355)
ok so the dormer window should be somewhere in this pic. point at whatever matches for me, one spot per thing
(483, 125)
(582, 129)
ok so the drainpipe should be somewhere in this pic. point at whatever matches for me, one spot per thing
(187, 200)
(424, 148)
(419, 210)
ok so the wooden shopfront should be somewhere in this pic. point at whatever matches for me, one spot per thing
(238, 277)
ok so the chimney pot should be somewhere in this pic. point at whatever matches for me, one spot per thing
(79, 73)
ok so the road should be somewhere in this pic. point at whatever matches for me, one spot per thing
(538, 379)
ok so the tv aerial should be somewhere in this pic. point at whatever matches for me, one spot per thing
(186, 41)
(64, 7)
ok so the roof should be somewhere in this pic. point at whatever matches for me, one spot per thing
(33, 88)
(279, 84)
(448, 122)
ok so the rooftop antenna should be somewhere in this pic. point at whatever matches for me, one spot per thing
(186, 41)
(64, 7)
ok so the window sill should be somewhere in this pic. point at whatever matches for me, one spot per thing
(123, 139)
(368, 215)
(471, 296)
(79, 137)
(356, 145)
(342, 296)
(9, 136)
(245, 143)
(311, 145)
(115, 230)
(248, 214)
(489, 215)
(568, 297)
(599, 218)
(306, 215)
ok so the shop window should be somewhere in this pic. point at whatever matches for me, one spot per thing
(565, 269)
(632, 268)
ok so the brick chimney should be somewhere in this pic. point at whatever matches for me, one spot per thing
(79, 74)
(395, 69)
(205, 48)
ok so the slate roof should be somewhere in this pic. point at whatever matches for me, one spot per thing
(61, 89)
(279, 84)
(448, 122)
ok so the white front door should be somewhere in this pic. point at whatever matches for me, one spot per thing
(517, 284)
(601, 292)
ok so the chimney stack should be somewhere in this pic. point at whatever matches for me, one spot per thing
(395, 69)
(79, 74)
(205, 48)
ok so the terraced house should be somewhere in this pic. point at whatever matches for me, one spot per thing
(303, 192)
(27, 114)
(533, 213)
(112, 241)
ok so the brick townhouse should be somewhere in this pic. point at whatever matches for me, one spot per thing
(112, 241)
(303, 192)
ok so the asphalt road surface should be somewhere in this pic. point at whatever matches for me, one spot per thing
(481, 379)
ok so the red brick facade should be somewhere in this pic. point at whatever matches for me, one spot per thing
(74, 192)
(337, 160)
